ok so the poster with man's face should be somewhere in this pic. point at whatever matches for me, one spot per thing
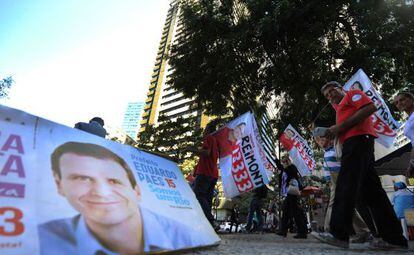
(64, 191)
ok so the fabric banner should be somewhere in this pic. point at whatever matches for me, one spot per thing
(299, 150)
(243, 162)
(384, 123)
(64, 191)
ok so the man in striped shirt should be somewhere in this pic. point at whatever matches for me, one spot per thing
(332, 164)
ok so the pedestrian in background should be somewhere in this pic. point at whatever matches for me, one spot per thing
(290, 207)
(95, 127)
(255, 208)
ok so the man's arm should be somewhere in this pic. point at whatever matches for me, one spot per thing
(359, 116)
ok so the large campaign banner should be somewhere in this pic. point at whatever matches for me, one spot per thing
(299, 150)
(64, 191)
(384, 123)
(243, 163)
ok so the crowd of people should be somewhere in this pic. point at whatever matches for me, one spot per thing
(358, 209)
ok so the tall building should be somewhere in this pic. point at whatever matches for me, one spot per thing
(162, 98)
(132, 117)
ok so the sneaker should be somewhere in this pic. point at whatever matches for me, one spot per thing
(379, 244)
(330, 239)
(300, 236)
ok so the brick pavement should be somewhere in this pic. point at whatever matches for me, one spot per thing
(257, 244)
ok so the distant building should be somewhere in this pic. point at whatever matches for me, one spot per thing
(132, 119)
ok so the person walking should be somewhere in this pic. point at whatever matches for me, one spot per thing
(290, 207)
(206, 173)
(256, 204)
(358, 183)
(234, 218)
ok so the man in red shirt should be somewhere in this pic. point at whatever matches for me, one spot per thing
(206, 172)
(358, 183)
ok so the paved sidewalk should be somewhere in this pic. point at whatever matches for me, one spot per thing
(257, 244)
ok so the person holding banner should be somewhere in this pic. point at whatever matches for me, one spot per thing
(357, 181)
(404, 101)
(206, 173)
(101, 187)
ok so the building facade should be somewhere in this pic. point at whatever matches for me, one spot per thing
(163, 99)
(132, 117)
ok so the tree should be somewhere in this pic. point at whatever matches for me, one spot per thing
(171, 137)
(232, 52)
(5, 85)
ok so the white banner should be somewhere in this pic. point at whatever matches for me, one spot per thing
(384, 123)
(64, 191)
(299, 150)
(243, 162)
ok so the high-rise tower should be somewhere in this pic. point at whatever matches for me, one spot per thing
(162, 98)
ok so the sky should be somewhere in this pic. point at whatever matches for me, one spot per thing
(72, 60)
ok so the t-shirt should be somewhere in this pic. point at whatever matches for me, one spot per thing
(409, 129)
(353, 101)
(330, 161)
(207, 165)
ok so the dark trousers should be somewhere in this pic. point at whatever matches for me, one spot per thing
(291, 209)
(235, 223)
(255, 207)
(204, 191)
(358, 185)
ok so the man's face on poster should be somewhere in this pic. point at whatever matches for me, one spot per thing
(99, 189)
(289, 134)
(238, 131)
(357, 86)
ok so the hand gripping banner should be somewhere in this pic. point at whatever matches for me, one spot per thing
(64, 191)
(243, 162)
(299, 150)
(384, 123)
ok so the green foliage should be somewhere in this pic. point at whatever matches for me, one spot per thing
(5, 85)
(188, 165)
(231, 52)
(171, 137)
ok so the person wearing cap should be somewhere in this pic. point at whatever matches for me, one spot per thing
(95, 127)
(358, 183)
(402, 199)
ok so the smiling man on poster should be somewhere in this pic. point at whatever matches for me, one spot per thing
(101, 187)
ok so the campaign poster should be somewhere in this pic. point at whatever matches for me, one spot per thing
(299, 150)
(64, 191)
(384, 123)
(242, 159)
